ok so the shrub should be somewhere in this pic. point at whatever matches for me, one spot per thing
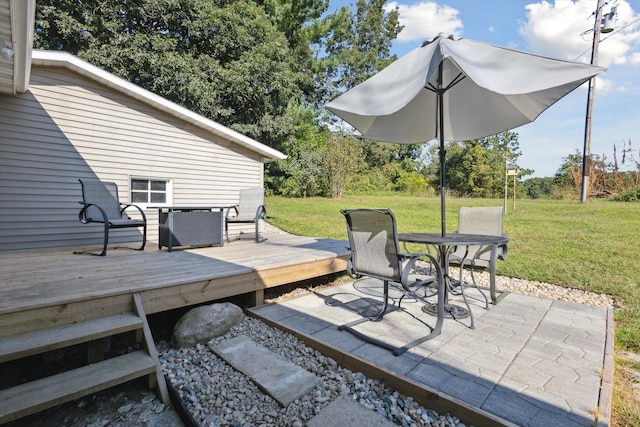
(632, 195)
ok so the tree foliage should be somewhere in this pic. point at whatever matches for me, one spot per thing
(357, 46)
(341, 163)
(476, 168)
(225, 60)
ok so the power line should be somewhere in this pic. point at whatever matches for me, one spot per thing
(614, 32)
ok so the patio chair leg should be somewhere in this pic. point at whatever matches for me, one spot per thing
(144, 238)
(475, 284)
(437, 329)
(348, 326)
(464, 297)
(257, 235)
(104, 244)
(385, 303)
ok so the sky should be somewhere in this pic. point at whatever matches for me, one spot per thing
(561, 29)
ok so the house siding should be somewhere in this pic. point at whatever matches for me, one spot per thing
(68, 127)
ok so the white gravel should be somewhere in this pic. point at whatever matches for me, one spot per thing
(217, 395)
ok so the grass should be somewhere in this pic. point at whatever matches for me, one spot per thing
(593, 246)
(626, 410)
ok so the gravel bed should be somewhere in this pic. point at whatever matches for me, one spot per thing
(541, 290)
(217, 395)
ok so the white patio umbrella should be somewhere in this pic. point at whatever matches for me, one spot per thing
(455, 90)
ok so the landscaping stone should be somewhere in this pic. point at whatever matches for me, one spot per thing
(200, 325)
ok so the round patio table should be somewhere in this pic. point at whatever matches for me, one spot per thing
(446, 245)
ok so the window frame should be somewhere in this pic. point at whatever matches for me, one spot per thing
(168, 191)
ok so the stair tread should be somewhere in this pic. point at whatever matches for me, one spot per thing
(44, 393)
(22, 345)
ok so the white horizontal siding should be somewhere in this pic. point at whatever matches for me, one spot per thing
(68, 127)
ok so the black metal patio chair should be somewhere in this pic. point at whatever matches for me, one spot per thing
(101, 204)
(373, 242)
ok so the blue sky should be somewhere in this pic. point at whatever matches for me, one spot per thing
(551, 28)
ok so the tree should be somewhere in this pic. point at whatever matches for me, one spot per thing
(303, 173)
(537, 188)
(222, 59)
(341, 162)
(304, 23)
(476, 168)
(357, 47)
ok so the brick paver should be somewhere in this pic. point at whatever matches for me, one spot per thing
(529, 360)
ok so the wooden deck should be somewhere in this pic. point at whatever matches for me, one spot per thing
(49, 288)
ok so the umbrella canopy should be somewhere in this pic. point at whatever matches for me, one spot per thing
(486, 89)
(455, 90)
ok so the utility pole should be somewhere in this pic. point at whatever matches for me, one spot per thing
(586, 152)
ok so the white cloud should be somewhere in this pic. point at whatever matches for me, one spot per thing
(425, 20)
(554, 29)
(604, 85)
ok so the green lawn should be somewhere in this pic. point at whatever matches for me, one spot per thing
(593, 246)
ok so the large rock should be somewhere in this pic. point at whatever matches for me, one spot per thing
(200, 325)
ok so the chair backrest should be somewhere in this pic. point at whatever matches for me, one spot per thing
(480, 220)
(250, 200)
(373, 239)
(103, 194)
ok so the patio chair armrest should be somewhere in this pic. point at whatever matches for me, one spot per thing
(413, 258)
(503, 251)
(84, 219)
(235, 208)
(261, 212)
(351, 271)
(124, 206)
(408, 261)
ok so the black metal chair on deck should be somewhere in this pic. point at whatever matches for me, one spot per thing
(373, 241)
(101, 204)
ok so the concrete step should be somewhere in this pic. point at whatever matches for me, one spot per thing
(285, 381)
(344, 412)
(282, 380)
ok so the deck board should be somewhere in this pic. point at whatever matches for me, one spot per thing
(41, 287)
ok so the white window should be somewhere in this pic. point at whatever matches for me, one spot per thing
(150, 191)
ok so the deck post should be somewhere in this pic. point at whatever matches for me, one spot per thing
(257, 298)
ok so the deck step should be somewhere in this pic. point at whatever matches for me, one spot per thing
(23, 345)
(29, 398)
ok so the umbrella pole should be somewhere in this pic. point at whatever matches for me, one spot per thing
(443, 226)
(442, 153)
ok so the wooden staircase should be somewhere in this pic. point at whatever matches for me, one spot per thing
(28, 398)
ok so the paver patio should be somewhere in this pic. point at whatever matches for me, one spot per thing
(530, 361)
